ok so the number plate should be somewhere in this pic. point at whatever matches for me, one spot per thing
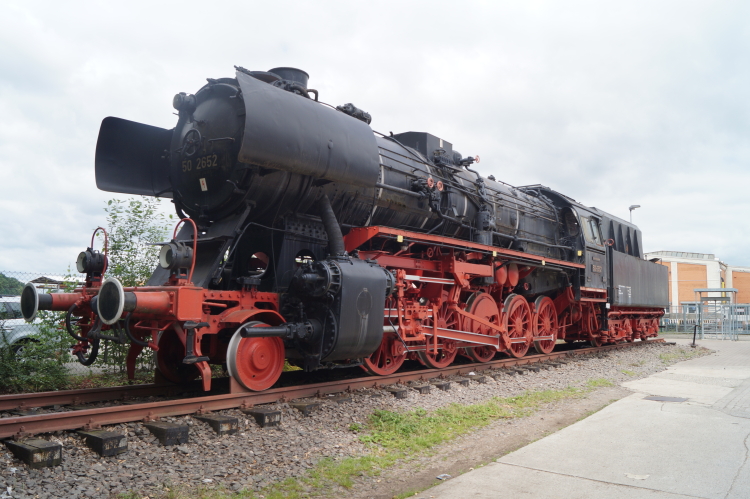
(200, 163)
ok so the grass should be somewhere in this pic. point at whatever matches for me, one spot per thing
(599, 382)
(629, 373)
(681, 354)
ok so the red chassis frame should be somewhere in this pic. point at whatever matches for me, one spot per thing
(445, 280)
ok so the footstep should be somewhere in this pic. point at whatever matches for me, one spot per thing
(637, 477)
(444, 476)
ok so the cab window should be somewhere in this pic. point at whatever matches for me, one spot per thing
(591, 230)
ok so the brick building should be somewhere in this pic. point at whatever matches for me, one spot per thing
(688, 271)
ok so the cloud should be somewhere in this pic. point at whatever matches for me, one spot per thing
(613, 105)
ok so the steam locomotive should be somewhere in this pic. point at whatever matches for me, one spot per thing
(309, 237)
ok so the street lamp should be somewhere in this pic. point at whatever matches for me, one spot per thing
(632, 207)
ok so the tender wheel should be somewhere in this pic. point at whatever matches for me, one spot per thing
(387, 359)
(255, 363)
(517, 319)
(545, 324)
(629, 334)
(169, 359)
(484, 306)
(653, 329)
(446, 319)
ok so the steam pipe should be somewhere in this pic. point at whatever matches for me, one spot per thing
(400, 190)
(332, 227)
(524, 240)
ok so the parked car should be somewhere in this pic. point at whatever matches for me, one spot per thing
(14, 331)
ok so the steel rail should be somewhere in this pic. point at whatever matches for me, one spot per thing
(24, 401)
(93, 418)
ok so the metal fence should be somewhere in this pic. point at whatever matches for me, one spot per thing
(46, 336)
(710, 320)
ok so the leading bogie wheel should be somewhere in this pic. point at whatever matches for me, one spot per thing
(255, 363)
(517, 317)
(388, 358)
(545, 324)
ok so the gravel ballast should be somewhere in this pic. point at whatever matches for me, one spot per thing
(256, 457)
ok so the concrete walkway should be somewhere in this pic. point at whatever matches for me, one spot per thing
(694, 445)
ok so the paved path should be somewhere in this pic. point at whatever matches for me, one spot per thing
(694, 445)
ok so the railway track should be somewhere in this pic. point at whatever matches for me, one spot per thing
(21, 426)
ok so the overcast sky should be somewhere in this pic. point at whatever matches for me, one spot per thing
(611, 103)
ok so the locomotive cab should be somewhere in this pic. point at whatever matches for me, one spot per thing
(596, 257)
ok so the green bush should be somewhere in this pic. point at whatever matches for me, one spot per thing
(39, 366)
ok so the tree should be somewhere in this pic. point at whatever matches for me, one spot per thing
(10, 285)
(131, 226)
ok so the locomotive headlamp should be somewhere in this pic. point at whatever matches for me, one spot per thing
(175, 255)
(90, 262)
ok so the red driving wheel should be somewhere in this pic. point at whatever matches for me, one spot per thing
(446, 353)
(545, 324)
(517, 319)
(389, 356)
(482, 305)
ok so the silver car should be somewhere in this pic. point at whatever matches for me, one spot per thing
(14, 331)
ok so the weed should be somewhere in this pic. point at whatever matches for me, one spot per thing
(599, 382)
(681, 354)
(629, 373)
